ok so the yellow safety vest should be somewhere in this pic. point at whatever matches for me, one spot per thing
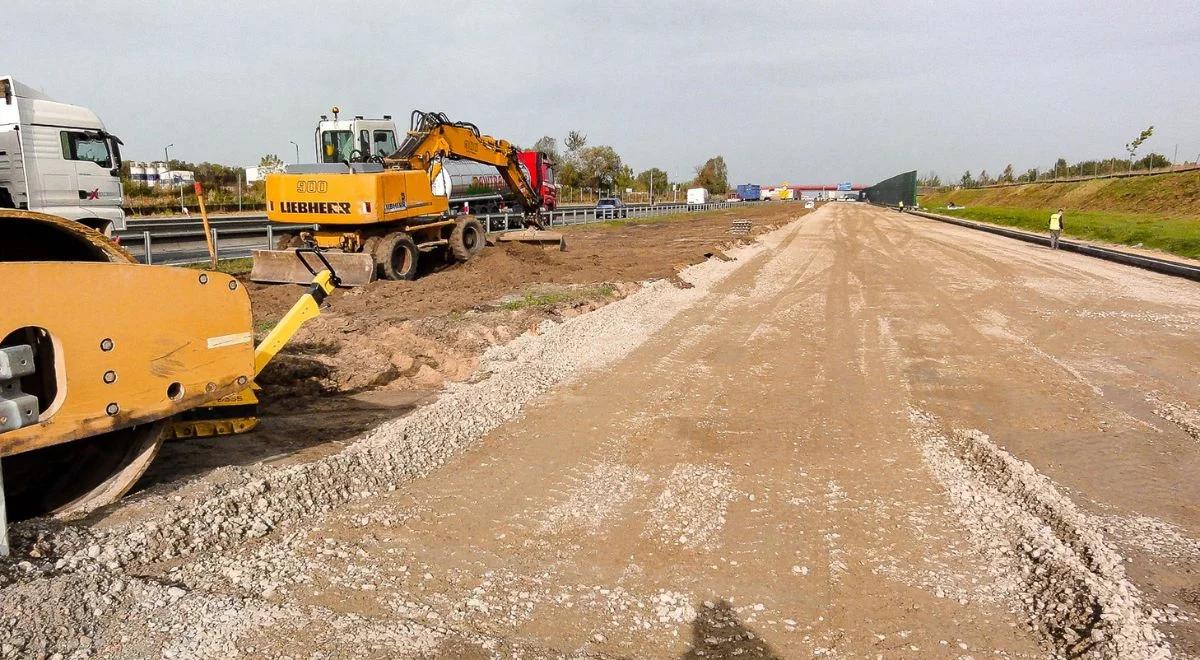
(1055, 222)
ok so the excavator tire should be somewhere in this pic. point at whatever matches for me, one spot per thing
(467, 239)
(397, 255)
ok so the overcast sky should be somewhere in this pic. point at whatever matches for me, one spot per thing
(806, 93)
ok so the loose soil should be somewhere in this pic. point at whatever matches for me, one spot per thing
(869, 434)
(378, 351)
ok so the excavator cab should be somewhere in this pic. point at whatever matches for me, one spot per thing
(356, 140)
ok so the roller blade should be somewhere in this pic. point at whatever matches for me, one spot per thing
(550, 240)
(230, 415)
(286, 267)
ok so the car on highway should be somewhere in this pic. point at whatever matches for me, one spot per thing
(611, 207)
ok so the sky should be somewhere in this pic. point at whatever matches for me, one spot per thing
(813, 92)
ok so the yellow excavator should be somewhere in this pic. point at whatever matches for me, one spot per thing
(102, 358)
(377, 209)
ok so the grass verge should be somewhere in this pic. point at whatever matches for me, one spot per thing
(549, 298)
(1176, 235)
(240, 266)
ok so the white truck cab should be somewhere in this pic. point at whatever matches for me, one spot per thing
(57, 158)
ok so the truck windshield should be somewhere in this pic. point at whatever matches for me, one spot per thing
(336, 146)
(92, 147)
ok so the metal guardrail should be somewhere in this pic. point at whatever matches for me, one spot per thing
(177, 242)
(1165, 266)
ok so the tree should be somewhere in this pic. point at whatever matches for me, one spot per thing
(270, 163)
(568, 173)
(548, 146)
(966, 181)
(656, 175)
(575, 141)
(1061, 168)
(1007, 175)
(930, 180)
(1133, 145)
(598, 166)
(1151, 161)
(984, 178)
(713, 176)
(1030, 175)
(625, 178)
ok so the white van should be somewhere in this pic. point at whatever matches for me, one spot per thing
(697, 196)
(57, 158)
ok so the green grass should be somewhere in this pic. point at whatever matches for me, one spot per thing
(1175, 194)
(550, 298)
(537, 300)
(240, 266)
(1176, 235)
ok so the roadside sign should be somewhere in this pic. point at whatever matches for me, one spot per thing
(845, 186)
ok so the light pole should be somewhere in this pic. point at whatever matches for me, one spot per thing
(297, 151)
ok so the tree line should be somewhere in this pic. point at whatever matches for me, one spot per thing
(581, 166)
(600, 168)
(1059, 170)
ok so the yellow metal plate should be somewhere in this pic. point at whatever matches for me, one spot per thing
(172, 331)
(351, 199)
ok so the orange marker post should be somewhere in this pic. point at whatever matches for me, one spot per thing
(212, 250)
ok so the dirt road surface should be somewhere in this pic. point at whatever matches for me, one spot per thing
(867, 435)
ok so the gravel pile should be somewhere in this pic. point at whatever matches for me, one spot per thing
(80, 562)
(1178, 414)
(593, 498)
(690, 511)
(1069, 581)
(108, 614)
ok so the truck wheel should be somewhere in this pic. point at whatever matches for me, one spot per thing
(396, 256)
(467, 239)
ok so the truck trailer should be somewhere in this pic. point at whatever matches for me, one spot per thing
(749, 192)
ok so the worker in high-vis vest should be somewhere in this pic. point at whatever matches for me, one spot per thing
(1056, 228)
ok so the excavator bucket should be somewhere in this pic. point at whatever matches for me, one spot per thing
(286, 267)
(550, 240)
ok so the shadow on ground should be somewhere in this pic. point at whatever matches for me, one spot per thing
(290, 431)
(718, 633)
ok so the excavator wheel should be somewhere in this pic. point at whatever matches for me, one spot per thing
(467, 238)
(82, 474)
(397, 255)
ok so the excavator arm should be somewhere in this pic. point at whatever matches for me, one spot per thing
(433, 137)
